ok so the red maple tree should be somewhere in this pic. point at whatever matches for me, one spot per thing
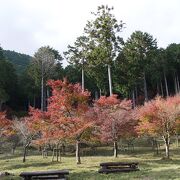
(160, 117)
(114, 119)
(68, 115)
(69, 112)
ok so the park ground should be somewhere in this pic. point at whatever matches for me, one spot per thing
(151, 166)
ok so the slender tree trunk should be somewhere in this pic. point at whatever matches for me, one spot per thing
(178, 87)
(53, 154)
(96, 95)
(167, 151)
(136, 92)
(167, 142)
(175, 84)
(82, 78)
(24, 155)
(133, 100)
(115, 149)
(42, 93)
(162, 93)
(57, 153)
(155, 144)
(145, 88)
(177, 140)
(13, 150)
(110, 80)
(166, 85)
(25, 151)
(158, 89)
(63, 149)
(100, 92)
(78, 159)
(47, 93)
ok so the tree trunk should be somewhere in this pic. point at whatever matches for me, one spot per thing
(162, 93)
(82, 78)
(78, 159)
(145, 88)
(167, 142)
(175, 84)
(177, 140)
(157, 89)
(156, 146)
(110, 80)
(63, 149)
(42, 93)
(133, 100)
(167, 150)
(96, 95)
(115, 149)
(136, 92)
(13, 150)
(57, 152)
(178, 87)
(166, 85)
(100, 92)
(25, 152)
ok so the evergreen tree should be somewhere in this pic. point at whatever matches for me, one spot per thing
(105, 42)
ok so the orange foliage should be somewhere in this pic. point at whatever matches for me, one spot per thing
(159, 116)
(5, 125)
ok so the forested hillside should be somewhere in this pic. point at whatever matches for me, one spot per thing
(20, 61)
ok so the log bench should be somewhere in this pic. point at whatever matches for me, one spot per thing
(111, 167)
(57, 174)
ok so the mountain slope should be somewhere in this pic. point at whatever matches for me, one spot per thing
(20, 61)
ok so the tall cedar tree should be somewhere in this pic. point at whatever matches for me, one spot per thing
(103, 40)
(139, 51)
(77, 55)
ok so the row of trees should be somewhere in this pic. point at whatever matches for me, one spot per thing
(139, 66)
(72, 117)
(104, 63)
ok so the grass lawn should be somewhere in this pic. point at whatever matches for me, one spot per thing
(151, 167)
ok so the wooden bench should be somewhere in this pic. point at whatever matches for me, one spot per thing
(111, 167)
(57, 174)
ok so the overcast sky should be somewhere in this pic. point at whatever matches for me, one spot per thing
(26, 25)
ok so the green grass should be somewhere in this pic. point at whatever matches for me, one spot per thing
(151, 167)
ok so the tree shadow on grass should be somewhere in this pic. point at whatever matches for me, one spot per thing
(6, 157)
(32, 165)
(164, 162)
(12, 156)
(94, 175)
(165, 174)
(144, 174)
